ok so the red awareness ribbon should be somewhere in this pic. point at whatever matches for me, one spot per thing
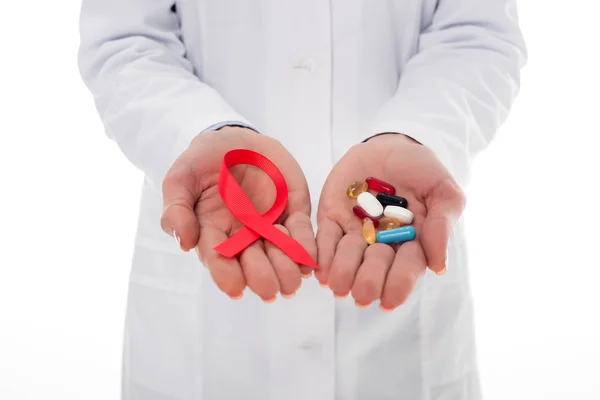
(255, 224)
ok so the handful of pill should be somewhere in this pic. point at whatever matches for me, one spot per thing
(385, 216)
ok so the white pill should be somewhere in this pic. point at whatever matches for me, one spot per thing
(402, 214)
(370, 204)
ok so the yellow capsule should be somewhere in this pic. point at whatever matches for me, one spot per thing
(368, 231)
(357, 188)
(387, 223)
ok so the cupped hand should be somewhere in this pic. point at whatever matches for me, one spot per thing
(380, 271)
(195, 214)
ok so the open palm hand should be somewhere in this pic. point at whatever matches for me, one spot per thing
(195, 213)
(380, 271)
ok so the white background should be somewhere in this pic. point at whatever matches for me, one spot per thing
(68, 209)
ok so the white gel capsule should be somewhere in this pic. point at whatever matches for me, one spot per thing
(402, 214)
(370, 204)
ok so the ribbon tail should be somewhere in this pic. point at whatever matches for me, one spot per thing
(237, 243)
(287, 244)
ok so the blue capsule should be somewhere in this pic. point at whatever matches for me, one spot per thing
(398, 235)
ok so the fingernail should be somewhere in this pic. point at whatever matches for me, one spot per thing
(337, 296)
(288, 296)
(306, 275)
(324, 285)
(178, 241)
(269, 301)
(382, 308)
(237, 297)
(177, 238)
(359, 305)
(442, 272)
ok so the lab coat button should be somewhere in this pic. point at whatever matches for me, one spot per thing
(307, 64)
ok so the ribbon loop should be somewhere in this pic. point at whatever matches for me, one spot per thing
(255, 224)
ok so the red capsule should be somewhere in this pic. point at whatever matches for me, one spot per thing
(380, 186)
(362, 214)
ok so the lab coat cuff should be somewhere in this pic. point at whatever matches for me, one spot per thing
(451, 153)
(220, 125)
(206, 124)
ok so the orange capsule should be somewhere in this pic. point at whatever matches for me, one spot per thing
(357, 188)
(368, 231)
(387, 223)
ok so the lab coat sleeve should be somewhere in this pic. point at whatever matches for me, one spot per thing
(151, 103)
(457, 90)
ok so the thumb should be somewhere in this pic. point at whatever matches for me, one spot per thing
(445, 204)
(181, 191)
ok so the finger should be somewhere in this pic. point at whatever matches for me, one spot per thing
(300, 228)
(348, 257)
(329, 234)
(226, 272)
(370, 278)
(408, 266)
(180, 194)
(287, 271)
(445, 205)
(259, 273)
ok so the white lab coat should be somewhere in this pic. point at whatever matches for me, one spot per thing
(320, 76)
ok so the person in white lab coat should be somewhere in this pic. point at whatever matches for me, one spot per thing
(408, 91)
